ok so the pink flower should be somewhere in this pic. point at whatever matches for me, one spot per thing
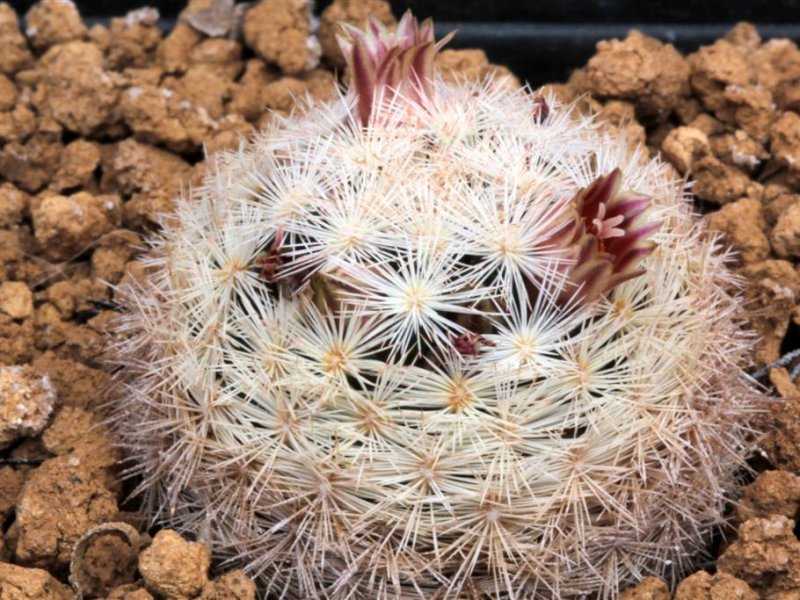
(610, 236)
(385, 64)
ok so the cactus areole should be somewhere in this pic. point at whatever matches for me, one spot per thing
(436, 340)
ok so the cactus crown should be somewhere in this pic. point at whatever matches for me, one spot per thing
(420, 342)
(385, 64)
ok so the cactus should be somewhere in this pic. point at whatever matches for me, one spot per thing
(436, 340)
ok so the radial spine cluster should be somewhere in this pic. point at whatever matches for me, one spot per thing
(451, 341)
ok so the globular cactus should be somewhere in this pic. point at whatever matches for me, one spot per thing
(435, 340)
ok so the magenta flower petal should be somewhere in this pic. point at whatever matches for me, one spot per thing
(363, 78)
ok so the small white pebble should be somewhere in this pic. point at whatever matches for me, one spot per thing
(147, 15)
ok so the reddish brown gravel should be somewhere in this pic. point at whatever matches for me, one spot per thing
(101, 126)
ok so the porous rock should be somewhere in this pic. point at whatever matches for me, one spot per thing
(650, 588)
(720, 586)
(743, 224)
(354, 13)
(772, 493)
(59, 502)
(20, 583)
(231, 586)
(766, 554)
(26, 401)
(280, 33)
(66, 225)
(174, 568)
(51, 22)
(641, 69)
(16, 299)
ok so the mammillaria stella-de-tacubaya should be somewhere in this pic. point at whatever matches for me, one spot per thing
(435, 340)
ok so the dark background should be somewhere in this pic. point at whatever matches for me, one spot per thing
(542, 40)
(536, 11)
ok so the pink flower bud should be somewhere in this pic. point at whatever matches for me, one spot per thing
(385, 65)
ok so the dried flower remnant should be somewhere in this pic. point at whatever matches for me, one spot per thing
(540, 110)
(469, 343)
(385, 64)
(461, 359)
(269, 263)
